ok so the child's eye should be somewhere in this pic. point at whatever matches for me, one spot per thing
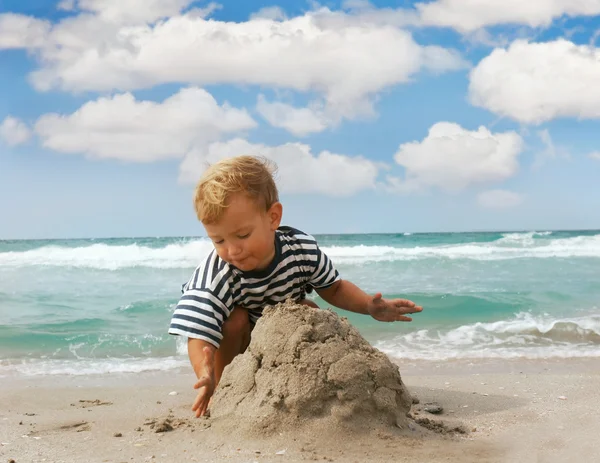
(218, 242)
(243, 237)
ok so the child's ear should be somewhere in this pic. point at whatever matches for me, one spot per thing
(275, 213)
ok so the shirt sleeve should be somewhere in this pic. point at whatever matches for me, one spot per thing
(204, 306)
(200, 315)
(325, 274)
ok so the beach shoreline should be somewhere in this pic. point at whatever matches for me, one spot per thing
(516, 410)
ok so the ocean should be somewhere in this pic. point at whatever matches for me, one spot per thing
(93, 306)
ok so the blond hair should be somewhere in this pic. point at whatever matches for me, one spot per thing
(250, 175)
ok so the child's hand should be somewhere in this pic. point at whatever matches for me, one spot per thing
(391, 310)
(206, 384)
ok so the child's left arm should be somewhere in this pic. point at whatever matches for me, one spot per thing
(348, 296)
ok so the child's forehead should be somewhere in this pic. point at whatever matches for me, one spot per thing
(240, 213)
(240, 207)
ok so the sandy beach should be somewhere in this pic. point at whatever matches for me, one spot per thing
(514, 411)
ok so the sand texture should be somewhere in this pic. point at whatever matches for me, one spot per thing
(309, 367)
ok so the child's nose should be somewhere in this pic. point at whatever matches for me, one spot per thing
(235, 250)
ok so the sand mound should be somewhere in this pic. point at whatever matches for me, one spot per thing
(309, 366)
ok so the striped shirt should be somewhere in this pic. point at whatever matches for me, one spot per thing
(216, 287)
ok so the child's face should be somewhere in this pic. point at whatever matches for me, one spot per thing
(244, 236)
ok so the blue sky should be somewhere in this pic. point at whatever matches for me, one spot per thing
(382, 116)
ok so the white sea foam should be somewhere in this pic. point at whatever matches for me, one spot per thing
(525, 336)
(508, 247)
(107, 257)
(85, 367)
(521, 239)
(189, 254)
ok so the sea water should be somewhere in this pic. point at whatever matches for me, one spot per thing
(104, 305)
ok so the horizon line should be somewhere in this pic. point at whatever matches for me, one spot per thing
(540, 230)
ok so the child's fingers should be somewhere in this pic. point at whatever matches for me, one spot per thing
(400, 313)
(408, 308)
(202, 399)
(200, 405)
(197, 404)
(404, 303)
(202, 410)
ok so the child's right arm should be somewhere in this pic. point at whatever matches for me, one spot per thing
(202, 357)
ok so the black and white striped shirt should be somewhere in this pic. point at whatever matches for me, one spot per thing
(216, 287)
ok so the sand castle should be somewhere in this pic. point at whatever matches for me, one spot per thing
(307, 366)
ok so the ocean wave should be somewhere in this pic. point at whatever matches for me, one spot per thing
(86, 367)
(112, 257)
(508, 247)
(189, 254)
(102, 355)
(522, 239)
(525, 336)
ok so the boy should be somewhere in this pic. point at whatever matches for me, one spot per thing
(255, 263)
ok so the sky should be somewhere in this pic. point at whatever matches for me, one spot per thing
(433, 116)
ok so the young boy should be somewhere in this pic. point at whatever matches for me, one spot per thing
(255, 263)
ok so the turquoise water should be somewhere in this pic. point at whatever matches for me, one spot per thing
(96, 306)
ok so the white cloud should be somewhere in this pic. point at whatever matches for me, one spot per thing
(594, 155)
(204, 12)
(344, 63)
(120, 127)
(298, 121)
(133, 11)
(469, 15)
(19, 31)
(299, 170)
(550, 152)
(499, 199)
(499, 39)
(14, 132)
(452, 158)
(273, 13)
(536, 82)
(364, 12)
(66, 5)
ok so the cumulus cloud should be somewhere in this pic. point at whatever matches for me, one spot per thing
(499, 199)
(130, 11)
(298, 121)
(299, 170)
(274, 13)
(536, 82)
(451, 158)
(120, 127)
(343, 63)
(469, 15)
(19, 31)
(361, 12)
(14, 132)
